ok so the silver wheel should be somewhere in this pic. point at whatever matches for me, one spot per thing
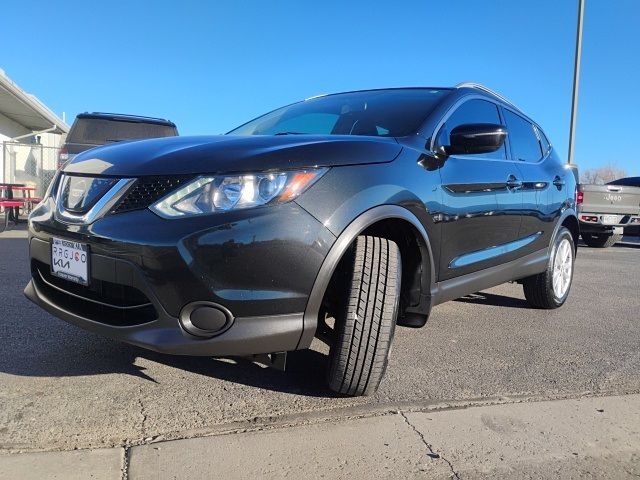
(562, 268)
(550, 289)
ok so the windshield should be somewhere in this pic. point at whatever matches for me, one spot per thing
(386, 113)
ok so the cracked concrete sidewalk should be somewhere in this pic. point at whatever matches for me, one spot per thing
(596, 437)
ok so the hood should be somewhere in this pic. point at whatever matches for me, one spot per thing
(232, 154)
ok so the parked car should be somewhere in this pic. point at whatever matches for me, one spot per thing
(605, 210)
(339, 216)
(90, 130)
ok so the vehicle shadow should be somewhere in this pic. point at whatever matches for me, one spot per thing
(304, 374)
(65, 351)
(626, 244)
(483, 298)
(621, 244)
(84, 353)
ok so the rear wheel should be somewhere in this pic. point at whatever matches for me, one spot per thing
(600, 240)
(364, 329)
(550, 288)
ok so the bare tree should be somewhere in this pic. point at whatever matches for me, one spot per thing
(602, 175)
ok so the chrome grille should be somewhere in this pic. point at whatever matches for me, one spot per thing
(79, 194)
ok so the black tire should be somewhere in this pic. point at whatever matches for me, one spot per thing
(538, 289)
(360, 352)
(600, 240)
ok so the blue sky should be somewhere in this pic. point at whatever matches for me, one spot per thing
(210, 66)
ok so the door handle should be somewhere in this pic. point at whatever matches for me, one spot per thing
(558, 182)
(513, 182)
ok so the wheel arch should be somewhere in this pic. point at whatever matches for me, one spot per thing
(377, 220)
(569, 219)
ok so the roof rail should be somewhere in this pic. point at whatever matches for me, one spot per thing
(316, 96)
(479, 86)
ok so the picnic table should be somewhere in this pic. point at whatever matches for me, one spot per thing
(11, 204)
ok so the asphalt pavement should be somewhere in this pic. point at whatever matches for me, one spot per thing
(62, 388)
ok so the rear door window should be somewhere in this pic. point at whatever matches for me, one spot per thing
(472, 111)
(525, 145)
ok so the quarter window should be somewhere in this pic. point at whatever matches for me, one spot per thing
(544, 143)
(473, 111)
(525, 145)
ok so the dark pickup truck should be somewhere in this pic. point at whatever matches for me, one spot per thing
(604, 211)
(95, 129)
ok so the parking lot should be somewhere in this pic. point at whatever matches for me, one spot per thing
(64, 388)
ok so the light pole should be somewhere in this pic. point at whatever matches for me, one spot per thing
(576, 80)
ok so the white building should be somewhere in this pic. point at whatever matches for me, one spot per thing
(30, 136)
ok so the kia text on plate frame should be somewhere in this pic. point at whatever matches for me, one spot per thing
(70, 260)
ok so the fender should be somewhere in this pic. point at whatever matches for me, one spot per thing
(344, 240)
(566, 213)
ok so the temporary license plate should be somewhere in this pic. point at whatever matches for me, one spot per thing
(70, 260)
(609, 219)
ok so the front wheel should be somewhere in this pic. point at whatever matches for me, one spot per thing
(364, 331)
(550, 288)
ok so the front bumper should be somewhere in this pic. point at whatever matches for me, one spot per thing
(246, 336)
(260, 265)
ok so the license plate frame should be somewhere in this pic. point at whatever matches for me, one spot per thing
(74, 265)
(610, 219)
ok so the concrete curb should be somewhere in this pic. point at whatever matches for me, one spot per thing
(550, 439)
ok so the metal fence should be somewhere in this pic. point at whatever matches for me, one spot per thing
(29, 163)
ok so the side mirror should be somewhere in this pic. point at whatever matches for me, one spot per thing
(476, 138)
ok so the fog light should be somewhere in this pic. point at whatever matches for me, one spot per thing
(205, 319)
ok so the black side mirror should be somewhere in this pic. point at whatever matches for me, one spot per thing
(475, 138)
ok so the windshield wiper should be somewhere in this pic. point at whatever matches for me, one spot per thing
(289, 133)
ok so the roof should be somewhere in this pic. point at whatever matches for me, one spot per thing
(493, 93)
(478, 87)
(383, 89)
(123, 117)
(25, 109)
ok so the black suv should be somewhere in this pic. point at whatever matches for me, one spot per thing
(340, 216)
(94, 129)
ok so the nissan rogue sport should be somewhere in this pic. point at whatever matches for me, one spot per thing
(340, 217)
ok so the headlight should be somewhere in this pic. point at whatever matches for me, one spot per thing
(212, 194)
